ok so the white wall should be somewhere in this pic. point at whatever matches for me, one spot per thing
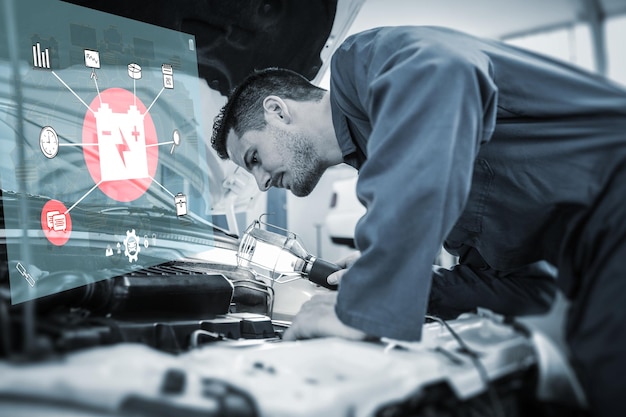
(616, 51)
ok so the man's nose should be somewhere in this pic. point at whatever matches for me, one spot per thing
(263, 179)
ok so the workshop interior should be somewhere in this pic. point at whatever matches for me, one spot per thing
(141, 275)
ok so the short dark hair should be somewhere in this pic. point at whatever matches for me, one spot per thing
(244, 109)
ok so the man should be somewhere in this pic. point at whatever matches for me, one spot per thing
(514, 161)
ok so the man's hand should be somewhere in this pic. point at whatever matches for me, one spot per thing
(344, 263)
(317, 318)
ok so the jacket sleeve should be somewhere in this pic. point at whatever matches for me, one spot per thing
(430, 105)
(473, 284)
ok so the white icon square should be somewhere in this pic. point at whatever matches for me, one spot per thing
(168, 81)
(60, 222)
(92, 58)
(181, 204)
(50, 218)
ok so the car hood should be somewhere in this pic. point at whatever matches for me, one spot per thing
(235, 37)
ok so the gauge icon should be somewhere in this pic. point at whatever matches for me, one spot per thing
(49, 142)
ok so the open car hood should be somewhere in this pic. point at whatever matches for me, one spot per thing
(235, 37)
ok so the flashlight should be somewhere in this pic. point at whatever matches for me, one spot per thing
(280, 256)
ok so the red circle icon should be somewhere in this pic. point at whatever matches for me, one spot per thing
(120, 144)
(56, 222)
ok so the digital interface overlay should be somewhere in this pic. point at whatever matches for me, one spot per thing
(105, 150)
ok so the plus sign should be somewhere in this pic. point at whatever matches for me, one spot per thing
(135, 134)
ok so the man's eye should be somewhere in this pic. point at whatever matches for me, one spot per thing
(255, 158)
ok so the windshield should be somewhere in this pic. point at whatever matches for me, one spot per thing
(104, 164)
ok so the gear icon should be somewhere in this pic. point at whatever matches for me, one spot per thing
(131, 246)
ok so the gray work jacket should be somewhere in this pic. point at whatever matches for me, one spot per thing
(466, 141)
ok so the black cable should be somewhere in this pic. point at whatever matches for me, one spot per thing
(474, 356)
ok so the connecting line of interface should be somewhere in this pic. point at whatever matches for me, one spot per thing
(95, 80)
(496, 404)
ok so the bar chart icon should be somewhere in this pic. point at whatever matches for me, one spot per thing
(41, 59)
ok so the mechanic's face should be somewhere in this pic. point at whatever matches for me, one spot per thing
(277, 158)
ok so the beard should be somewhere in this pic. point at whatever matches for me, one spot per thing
(301, 160)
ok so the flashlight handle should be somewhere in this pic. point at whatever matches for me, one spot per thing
(320, 270)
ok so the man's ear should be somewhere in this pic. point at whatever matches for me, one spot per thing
(275, 108)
